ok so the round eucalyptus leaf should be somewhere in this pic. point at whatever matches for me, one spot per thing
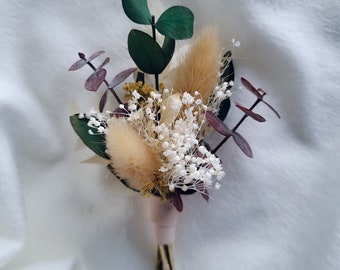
(145, 52)
(176, 23)
(137, 11)
(168, 49)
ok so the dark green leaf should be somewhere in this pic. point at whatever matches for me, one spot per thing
(227, 75)
(146, 52)
(168, 49)
(137, 11)
(224, 109)
(227, 71)
(95, 142)
(140, 77)
(176, 23)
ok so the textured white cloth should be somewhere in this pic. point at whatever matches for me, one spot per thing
(279, 210)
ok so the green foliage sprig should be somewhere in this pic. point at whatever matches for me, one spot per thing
(175, 23)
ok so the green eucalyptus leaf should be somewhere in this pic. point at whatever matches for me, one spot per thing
(95, 142)
(140, 77)
(137, 11)
(168, 49)
(224, 109)
(227, 71)
(227, 75)
(176, 23)
(145, 52)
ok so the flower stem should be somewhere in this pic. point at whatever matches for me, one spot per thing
(106, 83)
(154, 38)
(237, 125)
(165, 260)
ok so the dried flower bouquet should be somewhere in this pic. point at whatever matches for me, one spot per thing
(154, 141)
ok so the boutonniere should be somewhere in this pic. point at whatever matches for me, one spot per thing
(154, 139)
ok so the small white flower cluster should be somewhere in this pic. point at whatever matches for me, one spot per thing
(171, 125)
(221, 92)
(97, 121)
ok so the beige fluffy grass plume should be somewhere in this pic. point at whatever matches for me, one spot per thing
(131, 158)
(199, 70)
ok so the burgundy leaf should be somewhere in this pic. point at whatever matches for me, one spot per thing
(261, 91)
(121, 112)
(120, 77)
(251, 88)
(250, 113)
(77, 65)
(107, 60)
(81, 55)
(242, 144)
(277, 114)
(203, 190)
(95, 55)
(217, 123)
(95, 80)
(102, 101)
(205, 195)
(177, 201)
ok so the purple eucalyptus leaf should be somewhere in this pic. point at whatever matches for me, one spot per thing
(95, 80)
(203, 190)
(122, 76)
(102, 101)
(77, 65)
(250, 113)
(81, 55)
(251, 88)
(217, 123)
(106, 61)
(121, 112)
(177, 201)
(277, 114)
(242, 144)
(205, 195)
(95, 55)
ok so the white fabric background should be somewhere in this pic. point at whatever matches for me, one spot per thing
(279, 210)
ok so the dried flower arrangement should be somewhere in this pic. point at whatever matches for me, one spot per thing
(154, 141)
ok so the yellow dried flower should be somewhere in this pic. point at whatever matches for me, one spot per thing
(199, 70)
(131, 158)
(143, 89)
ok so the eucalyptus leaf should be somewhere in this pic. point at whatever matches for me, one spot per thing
(168, 49)
(146, 53)
(140, 77)
(224, 109)
(242, 144)
(95, 80)
(137, 11)
(227, 71)
(217, 123)
(95, 142)
(77, 65)
(177, 22)
(227, 75)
